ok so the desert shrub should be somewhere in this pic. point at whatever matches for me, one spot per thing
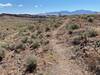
(47, 29)
(31, 64)
(4, 45)
(90, 19)
(23, 33)
(48, 35)
(38, 32)
(16, 46)
(2, 54)
(76, 49)
(72, 27)
(55, 26)
(97, 43)
(40, 36)
(35, 45)
(76, 40)
(3, 35)
(11, 47)
(30, 41)
(24, 39)
(19, 45)
(45, 42)
(30, 27)
(33, 36)
(90, 33)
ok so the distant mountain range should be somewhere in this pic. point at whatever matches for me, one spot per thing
(77, 12)
(43, 15)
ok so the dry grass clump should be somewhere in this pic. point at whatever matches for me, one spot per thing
(90, 33)
(31, 64)
(72, 27)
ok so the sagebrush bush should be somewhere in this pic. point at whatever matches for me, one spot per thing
(76, 40)
(3, 35)
(47, 29)
(90, 19)
(19, 45)
(76, 49)
(2, 54)
(16, 46)
(24, 39)
(31, 64)
(33, 36)
(4, 45)
(31, 28)
(90, 33)
(30, 41)
(11, 47)
(72, 26)
(35, 45)
(97, 43)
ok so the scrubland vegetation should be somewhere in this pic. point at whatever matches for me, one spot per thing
(26, 49)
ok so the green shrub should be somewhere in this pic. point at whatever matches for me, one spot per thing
(16, 46)
(72, 27)
(31, 64)
(90, 19)
(47, 29)
(33, 36)
(44, 42)
(3, 35)
(35, 45)
(91, 33)
(4, 45)
(24, 40)
(76, 40)
(39, 32)
(98, 43)
(31, 28)
(30, 41)
(2, 53)
(19, 45)
(76, 49)
(11, 46)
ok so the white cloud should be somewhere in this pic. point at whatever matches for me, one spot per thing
(20, 5)
(6, 4)
(36, 6)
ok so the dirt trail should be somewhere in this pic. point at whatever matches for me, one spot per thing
(64, 65)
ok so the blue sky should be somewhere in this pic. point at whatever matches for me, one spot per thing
(41, 6)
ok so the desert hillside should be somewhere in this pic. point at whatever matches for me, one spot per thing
(49, 45)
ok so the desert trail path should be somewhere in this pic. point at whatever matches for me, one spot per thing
(64, 65)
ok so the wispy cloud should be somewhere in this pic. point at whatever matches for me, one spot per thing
(20, 5)
(6, 5)
(36, 6)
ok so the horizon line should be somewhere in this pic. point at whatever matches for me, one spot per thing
(49, 12)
